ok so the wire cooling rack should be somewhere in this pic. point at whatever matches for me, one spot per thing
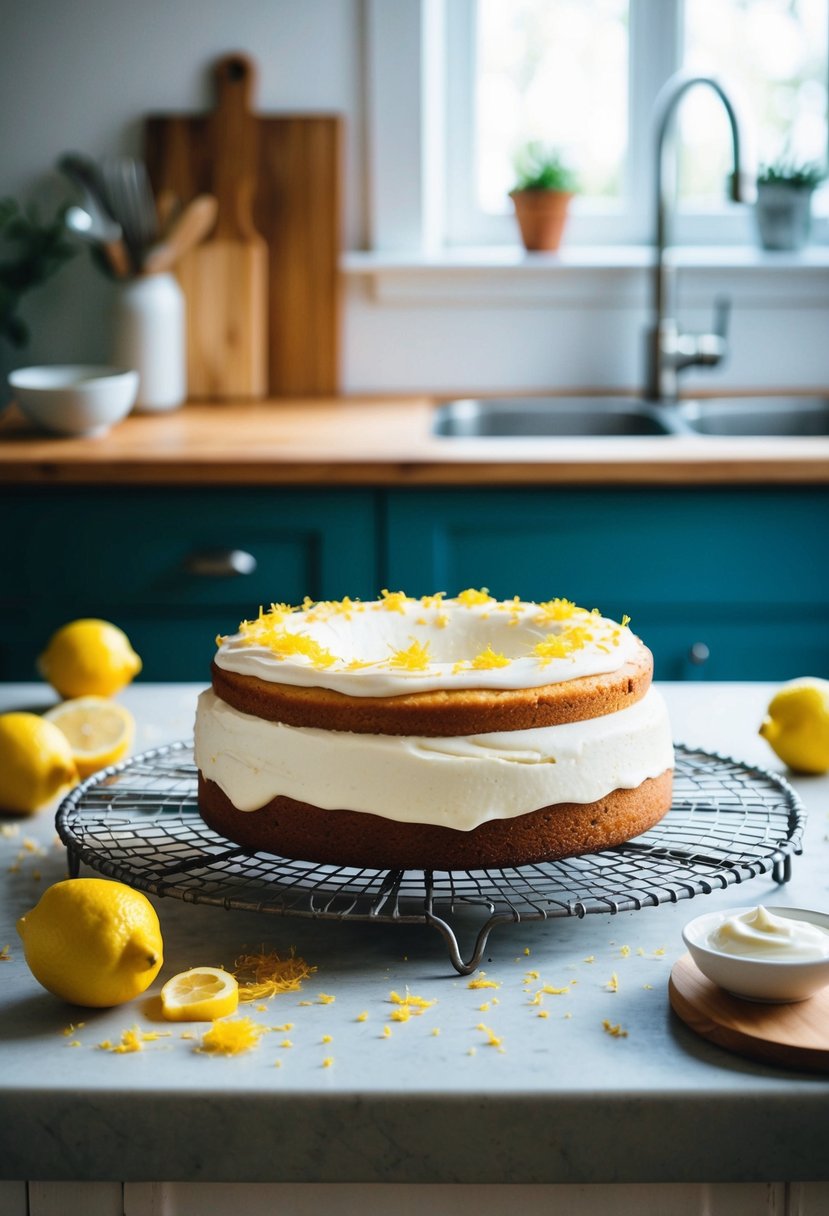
(139, 822)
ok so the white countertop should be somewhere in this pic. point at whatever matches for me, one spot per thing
(561, 1100)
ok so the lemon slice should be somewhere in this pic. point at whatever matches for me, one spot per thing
(200, 995)
(99, 731)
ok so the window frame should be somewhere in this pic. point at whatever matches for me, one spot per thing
(412, 145)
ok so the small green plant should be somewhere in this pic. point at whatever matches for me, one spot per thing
(540, 167)
(31, 251)
(803, 176)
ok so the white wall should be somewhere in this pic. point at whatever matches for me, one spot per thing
(81, 74)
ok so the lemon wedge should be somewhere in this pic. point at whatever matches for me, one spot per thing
(199, 995)
(89, 657)
(92, 941)
(99, 731)
(36, 763)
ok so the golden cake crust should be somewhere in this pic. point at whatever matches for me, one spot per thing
(352, 838)
(439, 713)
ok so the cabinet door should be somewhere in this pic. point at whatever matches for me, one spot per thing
(175, 567)
(737, 571)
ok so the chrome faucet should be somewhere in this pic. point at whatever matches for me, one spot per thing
(668, 349)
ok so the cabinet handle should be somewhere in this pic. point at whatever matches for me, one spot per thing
(220, 563)
(699, 654)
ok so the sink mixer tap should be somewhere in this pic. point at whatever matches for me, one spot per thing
(668, 349)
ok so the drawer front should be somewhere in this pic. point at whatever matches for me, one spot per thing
(174, 568)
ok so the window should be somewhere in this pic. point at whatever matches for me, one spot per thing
(584, 75)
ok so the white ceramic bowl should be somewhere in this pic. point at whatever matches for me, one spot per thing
(777, 980)
(74, 399)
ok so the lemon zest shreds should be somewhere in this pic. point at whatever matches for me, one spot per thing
(625, 620)
(408, 1005)
(401, 1015)
(328, 1061)
(72, 1027)
(414, 658)
(433, 601)
(393, 601)
(480, 981)
(5, 954)
(613, 983)
(492, 1039)
(489, 659)
(471, 598)
(327, 1038)
(615, 1032)
(558, 610)
(387, 1032)
(260, 976)
(231, 1037)
(325, 998)
(551, 991)
(362, 1017)
(625, 951)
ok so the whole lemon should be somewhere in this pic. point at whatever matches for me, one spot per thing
(92, 941)
(796, 725)
(89, 658)
(36, 762)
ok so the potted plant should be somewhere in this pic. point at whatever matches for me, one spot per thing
(544, 186)
(784, 203)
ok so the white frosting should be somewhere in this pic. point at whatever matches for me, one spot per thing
(457, 782)
(455, 638)
(759, 933)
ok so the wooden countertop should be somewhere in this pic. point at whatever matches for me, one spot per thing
(371, 441)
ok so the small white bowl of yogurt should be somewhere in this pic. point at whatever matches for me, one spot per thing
(763, 954)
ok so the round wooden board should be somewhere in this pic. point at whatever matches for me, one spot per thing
(796, 1035)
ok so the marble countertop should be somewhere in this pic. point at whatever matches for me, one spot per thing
(557, 1099)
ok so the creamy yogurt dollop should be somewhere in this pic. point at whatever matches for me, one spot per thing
(758, 933)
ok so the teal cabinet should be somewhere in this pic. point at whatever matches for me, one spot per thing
(722, 583)
(173, 567)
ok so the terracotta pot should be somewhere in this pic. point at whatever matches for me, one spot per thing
(541, 216)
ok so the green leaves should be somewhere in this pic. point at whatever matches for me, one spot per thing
(540, 167)
(31, 251)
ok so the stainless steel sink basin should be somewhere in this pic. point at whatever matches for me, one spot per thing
(515, 417)
(574, 417)
(781, 416)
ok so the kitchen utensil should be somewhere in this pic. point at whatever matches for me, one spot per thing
(188, 229)
(794, 1035)
(88, 227)
(74, 399)
(83, 173)
(225, 279)
(296, 208)
(130, 199)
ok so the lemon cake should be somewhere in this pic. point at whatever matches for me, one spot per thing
(432, 733)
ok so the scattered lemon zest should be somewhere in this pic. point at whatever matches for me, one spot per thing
(328, 1061)
(648, 987)
(261, 976)
(472, 598)
(613, 983)
(387, 1032)
(659, 952)
(327, 1038)
(131, 1040)
(489, 659)
(284, 1027)
(325, 998)
(591, 958)
(483, 1008)
(5, 954)
(625, 951)
(72, 1027)
(231, 1037)
(531, 975)
(74, 1043)
(433, 601)
(393, 601)
(414, 658)
(286, 1043)
(543, 1013)
(492, 1039)
(435, 1031)
(480, 981)
(362, 1017)
(615, 1032)
(549, 990)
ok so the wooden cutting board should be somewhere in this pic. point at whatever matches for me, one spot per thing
(796, 1035)
(277, 179)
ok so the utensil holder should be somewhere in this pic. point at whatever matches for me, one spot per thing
(151, 337)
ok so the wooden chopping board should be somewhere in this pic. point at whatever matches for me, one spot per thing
(277, 180)
(796, 1035)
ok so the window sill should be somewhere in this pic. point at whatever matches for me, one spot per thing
(609, 274)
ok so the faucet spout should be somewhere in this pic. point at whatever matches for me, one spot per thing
(668, 351)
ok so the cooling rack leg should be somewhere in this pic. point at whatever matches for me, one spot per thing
(782, 870)
(448, 935)
(73, 863)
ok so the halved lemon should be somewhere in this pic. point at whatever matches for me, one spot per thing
(199, 995)
(99, 731)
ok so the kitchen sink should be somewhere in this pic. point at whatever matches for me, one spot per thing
(525, 417)
(781, 416)
(581, 417)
